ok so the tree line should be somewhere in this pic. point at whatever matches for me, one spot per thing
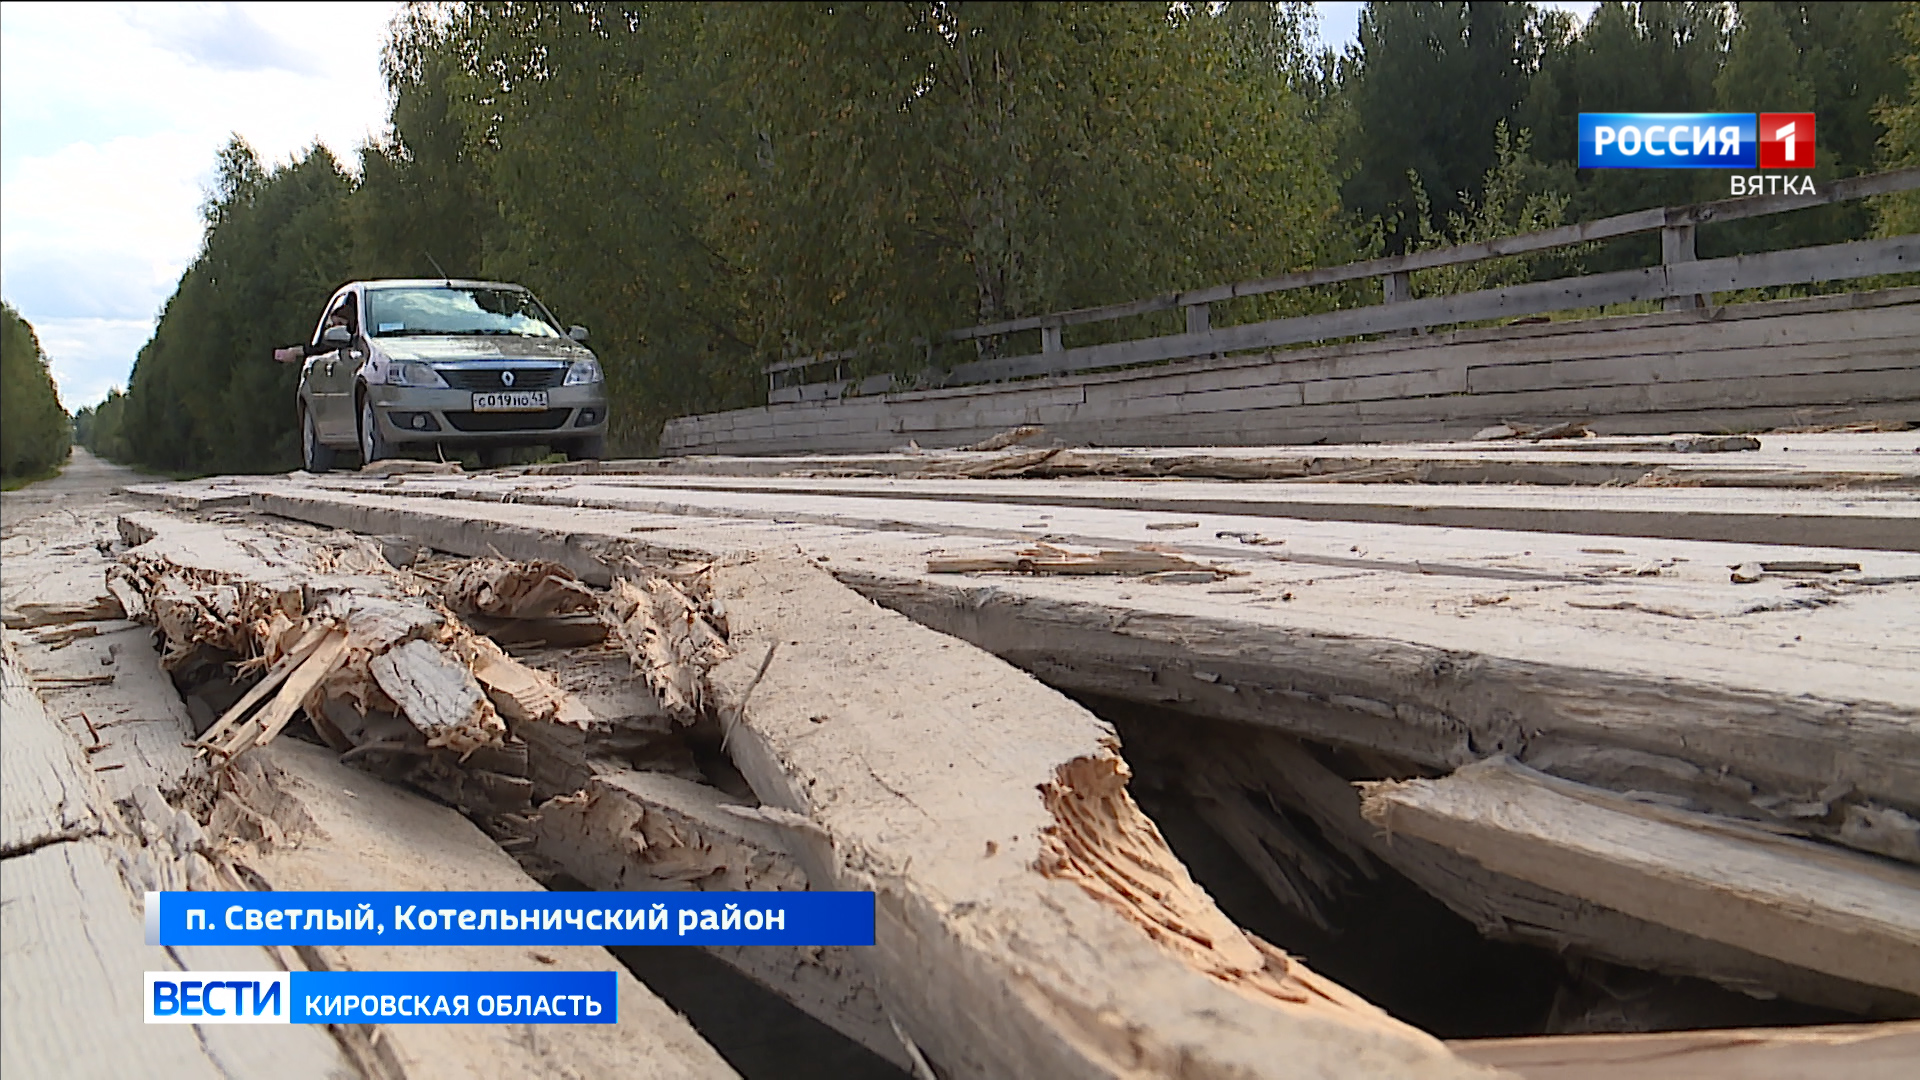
(35, 432)
(713, 186)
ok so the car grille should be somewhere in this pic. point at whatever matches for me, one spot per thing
(524, 378)
(545, 420)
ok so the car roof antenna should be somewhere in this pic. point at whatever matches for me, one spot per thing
(436, 266)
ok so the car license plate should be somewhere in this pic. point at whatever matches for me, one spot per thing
(510, 401)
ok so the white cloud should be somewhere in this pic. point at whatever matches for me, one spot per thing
(110, 120)
(67, 342)
(225, 37)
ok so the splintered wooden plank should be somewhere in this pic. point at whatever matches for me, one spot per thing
(58, 584)
(361, 833)
(1827, 910)
(673, 834)
(643, 831)
(1031, 919)
(504, 589)
(218, 554)
(438, 695)
(1438, 668)
(1886, 1051)
(990, 815)
(47, 791)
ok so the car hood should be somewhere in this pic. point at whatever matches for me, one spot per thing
(475, 347)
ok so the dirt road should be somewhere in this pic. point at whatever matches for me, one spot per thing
(87, 480)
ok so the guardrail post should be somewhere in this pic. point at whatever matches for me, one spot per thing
(1050, 339)
(1199, 318)
(1395, 288)
(1676, 246)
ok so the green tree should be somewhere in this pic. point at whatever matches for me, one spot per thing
(422, 197)
(1899, 215)
(99, 427)
(35, 431)
(613, 160)
(1835, 60)
(1629, 57)
(205, 395)
(923, 166)
(1429, 84)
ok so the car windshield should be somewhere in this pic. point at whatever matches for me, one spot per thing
(457, 309)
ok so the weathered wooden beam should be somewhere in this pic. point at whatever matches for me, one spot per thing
(641, 831)
(1855, 259)
(1688, 370)
(1284, 772)
(1846, 915)
(990, 816)
(71, 952)
(1767, 461)
(1443, 673)
(1890, 522)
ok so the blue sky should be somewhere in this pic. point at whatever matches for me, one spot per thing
(110, 119)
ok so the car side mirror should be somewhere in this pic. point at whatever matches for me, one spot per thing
(337, 335)
(290, 355)
(577, 333)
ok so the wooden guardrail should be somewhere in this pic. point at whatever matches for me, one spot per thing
(1680, 281)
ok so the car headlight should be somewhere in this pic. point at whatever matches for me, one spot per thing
(413, 373)
(583, 371)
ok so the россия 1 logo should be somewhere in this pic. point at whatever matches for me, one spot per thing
(1696, 140)
(1704, 141)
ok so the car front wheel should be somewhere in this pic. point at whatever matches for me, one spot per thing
(373, 446)
(315, 456)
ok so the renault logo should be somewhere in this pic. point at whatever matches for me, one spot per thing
(506, 378)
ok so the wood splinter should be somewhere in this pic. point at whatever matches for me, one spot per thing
(1049, 559)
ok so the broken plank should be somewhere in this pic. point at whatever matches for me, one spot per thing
(439, 696)
(268, 683)
(300, 683)
(355, 832)
(519, 692)
(503, 589)
(1422, 684)
(977, 791)
(639, 831)
(1117, 983)
(643, 831)
(1847, 915)
(1502, 906)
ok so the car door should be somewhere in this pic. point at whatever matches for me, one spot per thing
(330, 377)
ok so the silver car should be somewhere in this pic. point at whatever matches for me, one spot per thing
(483, 364)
